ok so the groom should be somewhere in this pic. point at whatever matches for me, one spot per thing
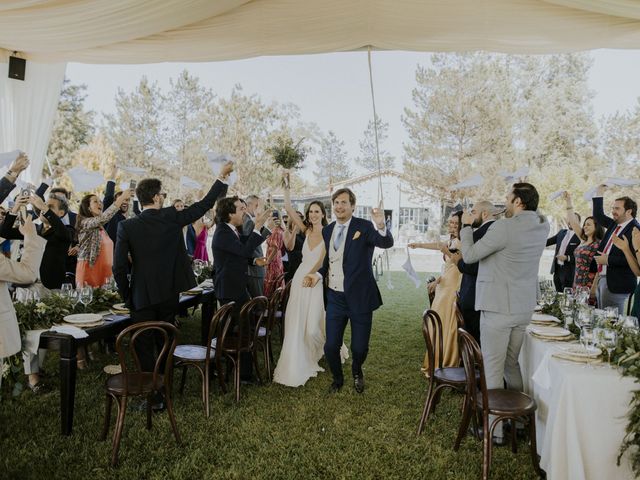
(351, 290)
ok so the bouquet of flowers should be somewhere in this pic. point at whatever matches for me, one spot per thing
(287, 154)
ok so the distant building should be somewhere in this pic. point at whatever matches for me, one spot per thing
(411, 217)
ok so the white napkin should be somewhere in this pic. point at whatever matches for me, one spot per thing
(514, 176)
(134, 170)
(411, 273)
(32, 340)
(473, 181)
(190, 183)
(75, 332)
(84, 180)
(620, 182)
(6, 159)
(555, 195)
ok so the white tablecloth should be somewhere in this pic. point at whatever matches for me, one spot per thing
(582, 414)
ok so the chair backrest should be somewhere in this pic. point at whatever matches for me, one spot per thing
(169, 335)
(285, 298)
(458, 313)
(473, 366)
(433, 339)
(274, 306)
(244, 329)
(219, 319)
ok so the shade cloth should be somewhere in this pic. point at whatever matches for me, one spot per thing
(582, 413)
(145, 31)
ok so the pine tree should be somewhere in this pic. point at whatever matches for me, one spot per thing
(331, 165)
(368, 159)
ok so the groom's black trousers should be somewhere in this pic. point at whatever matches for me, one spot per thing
(338, 314)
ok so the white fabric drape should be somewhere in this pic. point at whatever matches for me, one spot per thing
(146, 31)
(28, 109)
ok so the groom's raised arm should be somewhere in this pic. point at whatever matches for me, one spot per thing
(379, 238)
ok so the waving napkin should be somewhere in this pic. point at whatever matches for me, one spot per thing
(6, 159)
(474, 181)
(190, 183)
(514, 176)
(216, 161)
(84, 180)
(134, 170)
(411, 273)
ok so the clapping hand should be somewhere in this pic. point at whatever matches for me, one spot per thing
(635, 238)
(621, 242)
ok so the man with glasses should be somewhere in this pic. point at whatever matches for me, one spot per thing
(160, 266)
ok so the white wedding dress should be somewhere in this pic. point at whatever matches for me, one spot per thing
(304, 327)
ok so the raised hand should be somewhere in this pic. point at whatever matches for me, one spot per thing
(601, 189)
(377, 215)
(226, 169)
(38, 203)
(20, 164)
(261, 218)
(467, 218)
(20, 202)
(28, 228)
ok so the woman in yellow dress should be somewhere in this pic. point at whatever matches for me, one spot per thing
(446, 288)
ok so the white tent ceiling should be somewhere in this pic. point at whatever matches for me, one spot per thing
(145, 31)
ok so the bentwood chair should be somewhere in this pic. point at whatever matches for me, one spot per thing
(282, 310)
(133, 382)
(501, 403)
(202, 356)
(440, 377)
(239, 338)
(265, 333)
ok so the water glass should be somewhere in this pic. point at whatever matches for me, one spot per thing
(86, 296)
(74, 296)
(65, 289)
(612, 314)
(609, 341)
(628, 321)
(586, 336)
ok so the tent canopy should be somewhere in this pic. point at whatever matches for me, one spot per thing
(146, 31)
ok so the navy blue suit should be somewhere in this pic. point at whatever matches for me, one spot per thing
(360, 297)
(467, 293)
(563, 274)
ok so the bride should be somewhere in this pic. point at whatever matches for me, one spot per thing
(304, 322)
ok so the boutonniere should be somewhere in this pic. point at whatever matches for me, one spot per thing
(356, 235)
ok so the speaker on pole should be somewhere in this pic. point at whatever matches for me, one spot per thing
(17, 67)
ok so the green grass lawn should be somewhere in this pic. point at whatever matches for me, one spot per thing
(274, 432)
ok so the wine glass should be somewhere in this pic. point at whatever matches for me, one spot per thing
(629, 322)
(198, 267)
(612, 314)
(65, 289)
(586, 336)
(86, 296)
(609, 341)
(74, 296)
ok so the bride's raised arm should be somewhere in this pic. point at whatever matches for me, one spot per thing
(293, 215)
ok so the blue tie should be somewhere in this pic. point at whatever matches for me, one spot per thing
(338, 240)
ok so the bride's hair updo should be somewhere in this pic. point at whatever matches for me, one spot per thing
(320, 205)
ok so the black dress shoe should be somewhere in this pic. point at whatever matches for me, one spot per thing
(335, 387)
(358, 383)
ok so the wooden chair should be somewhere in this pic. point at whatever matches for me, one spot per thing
(201, 356)
(133, 382)
(282, 310)
(458, 313)
(265, 334)
(240, 337)
(501, 403)
(439, 377)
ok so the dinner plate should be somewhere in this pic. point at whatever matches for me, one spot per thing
(120, 306)
(82, 318)
(581, 351)
(551, 331)
(194, 291)
(543, 317)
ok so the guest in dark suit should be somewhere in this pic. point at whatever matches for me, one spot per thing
(188, 232)
(616, 280)
(293, 242)
(563, 266)
(161, 268)
(351, 290)
(71, 219)
(112, 225)
(231, 252)
(483, 216)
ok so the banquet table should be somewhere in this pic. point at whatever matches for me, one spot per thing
(67, 345)
(582, 413)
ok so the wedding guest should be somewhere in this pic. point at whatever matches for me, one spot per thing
(563, 265)
(188, 232)
(632, 255)
(69, 219)
(231, 252)
(161, 268)
(483, 213)
(95, 248)
(25, 271)
(509, 254)
(616, 280)
(293, 243)
(274, 269)
(8, 181)
(201, 230)
(445, 288)
(590, 234)
(256, 266)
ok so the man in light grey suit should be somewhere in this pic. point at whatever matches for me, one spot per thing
(508, 256)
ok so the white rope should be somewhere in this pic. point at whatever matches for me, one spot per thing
(375, 128)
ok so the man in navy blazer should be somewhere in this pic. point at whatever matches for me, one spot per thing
(483, 216)
(616, 281)
(563, 267)
(231, 255)
(351, 289)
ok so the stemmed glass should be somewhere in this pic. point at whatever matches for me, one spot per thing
(86, 296)
(609, 341)
(74, 296)
(198, 267)
(612, 314)
(65, 289)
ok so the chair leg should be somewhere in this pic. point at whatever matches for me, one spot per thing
(203, 378)
(427, 405)
(117, 434)
(206, 388)
(464, 423)
(236, 378)
(183, 379)
(255, 365)
(514, 442)
(533, 445)
(107, 418)
(267, 361)
(221, 377)
(149, 410)
(172, 419)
